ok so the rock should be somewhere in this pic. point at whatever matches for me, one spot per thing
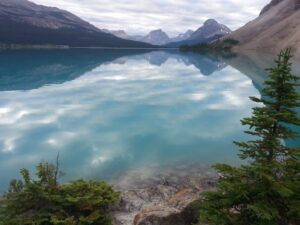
(166, 199)
(162, 216)
(180, 211)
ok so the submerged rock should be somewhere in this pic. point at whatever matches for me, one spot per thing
(165, 198)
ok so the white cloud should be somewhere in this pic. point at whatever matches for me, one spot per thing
(141, 16)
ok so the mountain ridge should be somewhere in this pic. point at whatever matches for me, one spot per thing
(154, 37)
(210, 31)
(24, 22)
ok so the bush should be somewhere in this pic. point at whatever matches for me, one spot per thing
(218, 47)
(231, 41)
(46, 202)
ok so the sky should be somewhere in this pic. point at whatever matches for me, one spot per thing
(173, 16)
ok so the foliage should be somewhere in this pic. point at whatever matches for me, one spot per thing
(220, 47)
(231, 42)
(44, 201)
(265, 191)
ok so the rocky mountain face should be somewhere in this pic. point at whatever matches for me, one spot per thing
(156, 37)
(182, 36)
(210, 31)
(276, 28)
(24, 22)
(269, 6)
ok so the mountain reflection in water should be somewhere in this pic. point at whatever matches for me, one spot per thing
(109, 112)
(27, 69)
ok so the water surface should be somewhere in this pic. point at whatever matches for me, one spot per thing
(108, 112)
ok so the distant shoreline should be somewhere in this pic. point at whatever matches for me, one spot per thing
(20, 46)
(135, 48)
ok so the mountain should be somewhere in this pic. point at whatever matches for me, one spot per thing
(20, 72)
(277, 27)
(155, 37)
(210, 31)
(118, 33)
(182, 36)
(159, 37)
(122, 34)
(206, 64)
(24, 22)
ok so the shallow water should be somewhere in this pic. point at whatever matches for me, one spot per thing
(109, 112)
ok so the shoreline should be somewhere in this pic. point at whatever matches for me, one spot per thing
(166, 195)
(66, 47)
(156, 195)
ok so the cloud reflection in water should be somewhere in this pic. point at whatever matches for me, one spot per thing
(128, 111)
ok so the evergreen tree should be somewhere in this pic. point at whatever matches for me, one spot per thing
(43, 201)
(264, 191)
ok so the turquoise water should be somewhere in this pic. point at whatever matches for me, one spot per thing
(108, 112)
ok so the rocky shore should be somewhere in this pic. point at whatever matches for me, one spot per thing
(164, 197)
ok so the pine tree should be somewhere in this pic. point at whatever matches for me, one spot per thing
(265, 190)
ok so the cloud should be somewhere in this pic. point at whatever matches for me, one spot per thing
(141, 16)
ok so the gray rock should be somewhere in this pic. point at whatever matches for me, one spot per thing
(166, 198)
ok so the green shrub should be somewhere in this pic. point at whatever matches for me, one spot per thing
(43, 201)
(231, 41)
(219, 46)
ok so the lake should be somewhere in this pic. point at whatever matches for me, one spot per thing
(110, 112)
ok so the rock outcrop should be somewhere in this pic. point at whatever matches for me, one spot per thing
(166, 199)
